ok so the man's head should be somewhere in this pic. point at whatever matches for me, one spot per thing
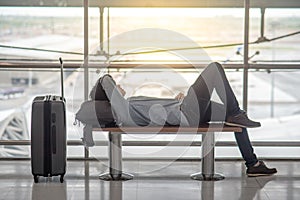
(98, 93)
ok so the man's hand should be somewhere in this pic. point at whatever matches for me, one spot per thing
(179, 96)
(121, 90)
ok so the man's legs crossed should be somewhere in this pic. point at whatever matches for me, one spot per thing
(199, 94)
(213, 78)
(255, 167)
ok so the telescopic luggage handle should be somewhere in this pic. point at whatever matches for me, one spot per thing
(62, 77)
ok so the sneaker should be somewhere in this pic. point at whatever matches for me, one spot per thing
(260, 170)
(241, 120)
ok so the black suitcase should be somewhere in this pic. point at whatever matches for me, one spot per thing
(48, 136)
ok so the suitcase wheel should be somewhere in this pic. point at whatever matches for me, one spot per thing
(36, 178)
(61, 178)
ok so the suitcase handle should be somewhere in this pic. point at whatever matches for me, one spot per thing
(62, 77)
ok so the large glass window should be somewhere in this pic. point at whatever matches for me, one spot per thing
(280, 36)
(42, 35)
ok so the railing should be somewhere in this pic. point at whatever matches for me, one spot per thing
(119, 66)
(164, 143)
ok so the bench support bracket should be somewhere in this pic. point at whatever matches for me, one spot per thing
(115, 160)
(208, 160)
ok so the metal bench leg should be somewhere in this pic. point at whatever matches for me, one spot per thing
(115, 160)
(208, 160)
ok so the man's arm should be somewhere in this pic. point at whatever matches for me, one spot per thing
(180, 96)
(119, 104)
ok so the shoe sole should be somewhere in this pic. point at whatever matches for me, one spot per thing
(239, 125)
(256, 175)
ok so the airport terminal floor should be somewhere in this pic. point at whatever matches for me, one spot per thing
(155, 180)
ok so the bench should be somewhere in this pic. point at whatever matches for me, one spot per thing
(208, 144)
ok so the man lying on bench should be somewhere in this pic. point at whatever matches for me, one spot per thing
(191, 110)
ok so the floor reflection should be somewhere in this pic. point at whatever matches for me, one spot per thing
(49, 189)
(115, 190)
(208, 190)
(82, 182)
(250, 192)
(87, 180)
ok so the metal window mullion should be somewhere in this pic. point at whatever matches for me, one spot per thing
(86, 53)
(246, 56)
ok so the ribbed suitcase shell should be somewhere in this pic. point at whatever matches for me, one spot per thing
(48, 137)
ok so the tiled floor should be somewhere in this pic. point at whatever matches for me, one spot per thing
(154, 180)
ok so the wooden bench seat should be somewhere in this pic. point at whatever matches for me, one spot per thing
(172, 129)
(208, 147)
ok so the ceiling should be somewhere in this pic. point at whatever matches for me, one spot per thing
(157, 3)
